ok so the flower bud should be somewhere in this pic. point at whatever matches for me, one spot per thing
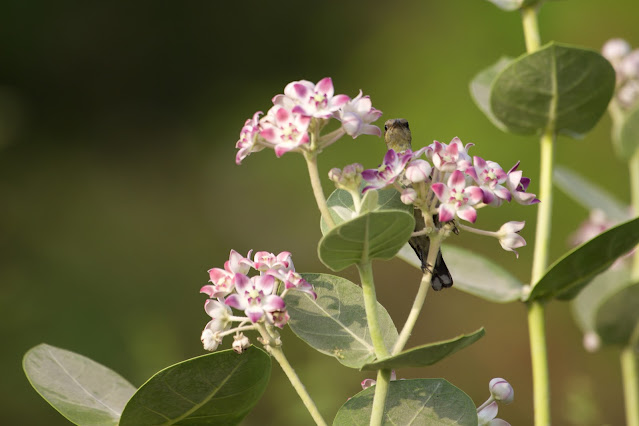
(418, 171)
(240, 343)
(615, 49)
(591, 341)
(509, 237)
(501, 390)
(630, 65)
(409, 195)
(210, 340)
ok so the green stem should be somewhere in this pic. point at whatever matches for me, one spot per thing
(531, 28)
(311, 163)
(379, 400)
(370, 304)
(424, 285)
(630, 377)
(536, 318)
(276, 351)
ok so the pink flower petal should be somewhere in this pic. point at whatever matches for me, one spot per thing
(467, 213)
(446, 213)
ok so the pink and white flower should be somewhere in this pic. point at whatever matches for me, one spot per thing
(312, 100)
(509, 237)
(517, 185)
(457, 199)
(224, 279)
(264, 261)
(254, 296)
(247, 143)
(388, 172)
(490, 177)
(446, 158)
(284, 129)
(292, 280)
(356, 116)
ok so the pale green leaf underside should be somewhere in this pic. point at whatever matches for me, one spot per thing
(335, 323)
(480, 89)
(412, 402)
(588, 194)
(625, 134)
(219, 388)
(559, 87)
(568, 275)
(617, 319)
(474, 274)
(83, 391)
(426, 355)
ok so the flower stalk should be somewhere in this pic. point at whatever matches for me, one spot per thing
(318, 191)
(275, 349)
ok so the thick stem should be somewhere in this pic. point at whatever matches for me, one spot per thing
(536, 319)
(539, 358)
(418, 304)
(311, 163)
(379, 400)
(370, 304)
(630, 377)
(276, 351)
(531, 28)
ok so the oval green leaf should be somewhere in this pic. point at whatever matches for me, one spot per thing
(426, 355)
(568, 275)
(617, 319)
(340, 204)
(374, 235)
(410, 403)
(480, 89)
(83, 391)
(625, 133)
(219, 388)
(335, 323)
(474, 274)
(588, 194)
(560, 87)
(585, 305)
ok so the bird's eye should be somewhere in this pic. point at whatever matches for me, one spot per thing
(385, 127)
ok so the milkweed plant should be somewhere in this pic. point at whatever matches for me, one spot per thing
(416, 198)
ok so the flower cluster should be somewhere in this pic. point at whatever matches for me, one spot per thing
(500, 391)
(442, 179)
(297, 116)
(626, 64)
(261, 296)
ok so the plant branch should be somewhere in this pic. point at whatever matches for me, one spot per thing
(318, 191)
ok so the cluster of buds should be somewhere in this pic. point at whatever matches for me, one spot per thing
(626, 64)
(296, 118)
(500, 391)
(260, 297)
(442, 179)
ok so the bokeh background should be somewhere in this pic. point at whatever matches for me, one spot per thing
(119, 189)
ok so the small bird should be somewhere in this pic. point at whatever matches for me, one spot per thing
(398, 137)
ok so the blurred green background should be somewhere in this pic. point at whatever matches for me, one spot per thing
(119, 190)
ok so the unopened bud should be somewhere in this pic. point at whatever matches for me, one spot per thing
(591, 341)
(240, 343)
(501, 390)
(409, 195)
(210, 340)
(615, 49)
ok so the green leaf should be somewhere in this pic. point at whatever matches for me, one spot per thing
(480, 89)
(340, 204)
(83, 391)
(412, 402)
(568, 275)
(219, 388)
(374, 235)
(588, 194)
(585, 305)
(625, 133)
(335, 323)
(617, 319)
(564, 88)
(426, 355)
(474, 274)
